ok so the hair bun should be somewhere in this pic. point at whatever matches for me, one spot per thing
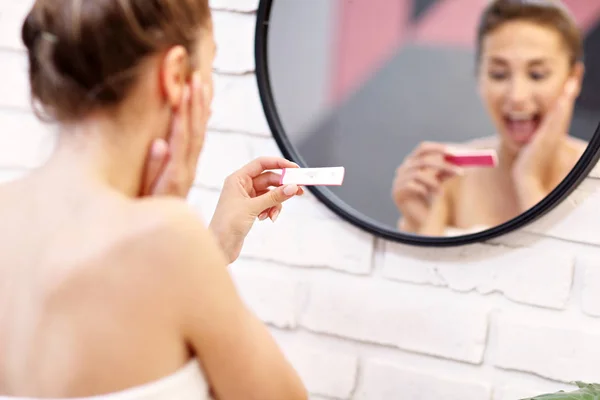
(85, 54)
(31, 31)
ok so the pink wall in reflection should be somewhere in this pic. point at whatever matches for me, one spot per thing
(368, 32)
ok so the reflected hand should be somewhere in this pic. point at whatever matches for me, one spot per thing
(417, 180)
(246, 195)
(536, 158)
(171, 166)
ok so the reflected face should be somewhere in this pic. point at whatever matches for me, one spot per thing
(523, 70)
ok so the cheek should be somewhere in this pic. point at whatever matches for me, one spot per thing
(492, 95)
(546, 95)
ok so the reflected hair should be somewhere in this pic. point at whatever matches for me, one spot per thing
(83, 54)
(548, 13)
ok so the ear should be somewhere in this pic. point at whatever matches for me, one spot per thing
(174, 75)
(578, 73)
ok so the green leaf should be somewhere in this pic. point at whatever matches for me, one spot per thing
(586, 391)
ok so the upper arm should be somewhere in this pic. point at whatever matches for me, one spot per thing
(239, 356)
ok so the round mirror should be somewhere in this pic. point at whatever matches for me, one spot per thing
(455, 120)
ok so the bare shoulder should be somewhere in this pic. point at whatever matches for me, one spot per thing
(153, 239)
(571, 153)
(156, 251)
(156, 215)
(576, 147)
(168, 229)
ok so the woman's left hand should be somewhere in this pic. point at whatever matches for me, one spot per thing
(246, 195)
(536, 158)
(171, 163)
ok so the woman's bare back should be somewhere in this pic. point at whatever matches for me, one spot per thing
(83, 305)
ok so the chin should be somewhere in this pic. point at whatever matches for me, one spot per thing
(508, 144)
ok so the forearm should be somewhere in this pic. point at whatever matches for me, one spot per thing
(229, 245)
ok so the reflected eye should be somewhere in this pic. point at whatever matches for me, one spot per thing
(537, 76)
(498, 75)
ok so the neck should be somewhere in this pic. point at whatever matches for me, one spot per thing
(102, 152)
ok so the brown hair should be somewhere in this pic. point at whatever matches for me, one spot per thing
(83, 54)
(548, 13)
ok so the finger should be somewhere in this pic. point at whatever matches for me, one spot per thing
(178, 141)
(265, 213)
(426, 148)
(197, 121)
(433, 162)
(266, 180)
(270, 179)
(419, 184)
(274, 212)
(410, 190)
(556, 122)
(429, 182)
(157, 159)
(274, 197)
(262, 164)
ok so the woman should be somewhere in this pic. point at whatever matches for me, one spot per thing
(529, 74)
(110, 283)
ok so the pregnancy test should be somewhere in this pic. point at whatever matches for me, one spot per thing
(472, 158)
(330, 176)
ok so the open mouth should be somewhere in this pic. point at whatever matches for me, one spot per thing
(521, 128)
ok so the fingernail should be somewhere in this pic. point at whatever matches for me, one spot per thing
(275, 215)
(290, 190)
(159, 147)
(186, 93)
(262, 216)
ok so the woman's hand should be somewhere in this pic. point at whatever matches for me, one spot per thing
(417, 180)
(246, 195)
(171, 166)
(171, 169)
(535, 161)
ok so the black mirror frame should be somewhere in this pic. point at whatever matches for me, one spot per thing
(580, 171)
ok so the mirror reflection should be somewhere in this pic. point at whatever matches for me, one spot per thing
(450, 117)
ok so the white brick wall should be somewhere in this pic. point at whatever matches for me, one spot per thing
(360, 318)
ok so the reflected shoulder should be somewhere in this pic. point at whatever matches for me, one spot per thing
(575, 148)
(578, 145)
